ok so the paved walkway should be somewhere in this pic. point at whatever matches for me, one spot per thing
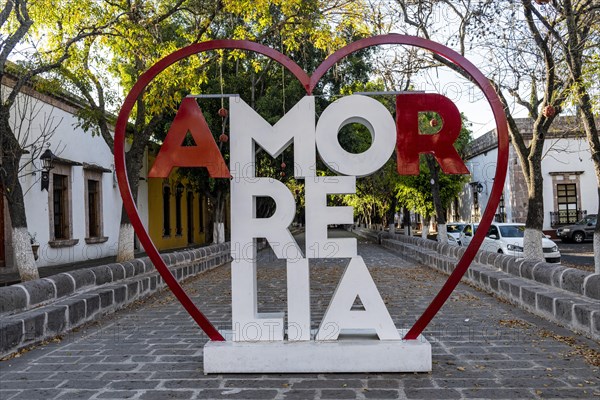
(482, 348)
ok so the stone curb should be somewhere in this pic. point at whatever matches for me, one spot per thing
(33, 294)
(570, 279)
(577, 312)
(88, 295)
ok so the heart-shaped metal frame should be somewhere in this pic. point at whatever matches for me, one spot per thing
(309, 83)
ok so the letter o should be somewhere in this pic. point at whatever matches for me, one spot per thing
(365, 111)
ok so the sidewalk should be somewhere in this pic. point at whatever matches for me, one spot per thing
(482, 348)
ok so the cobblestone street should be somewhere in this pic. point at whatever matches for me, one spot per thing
(482, 348)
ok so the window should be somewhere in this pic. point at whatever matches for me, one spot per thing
(2, 243)
(476, 215)
(94, 226)
(93, 214)
(93, 208)
(178, 196)
(200, 213)
(501, 216)
(166, 211)
(60, 209)
(190, 216)
(513, 231)
(567, 203)
(455, 228)
(493, 231)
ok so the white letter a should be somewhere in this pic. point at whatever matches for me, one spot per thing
(357, 281)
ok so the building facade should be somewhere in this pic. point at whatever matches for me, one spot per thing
(570, 186)
(75, 216)
(178, 213)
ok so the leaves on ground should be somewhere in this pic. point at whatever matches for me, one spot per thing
(591, 356)
(515, 323)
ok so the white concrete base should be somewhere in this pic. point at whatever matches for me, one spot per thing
(351, 353)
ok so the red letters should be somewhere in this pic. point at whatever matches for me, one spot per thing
(205, 153)
(410, 142)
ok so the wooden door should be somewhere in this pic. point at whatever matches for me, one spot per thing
(190, 217)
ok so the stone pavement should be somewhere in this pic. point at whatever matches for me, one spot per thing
(482, 348)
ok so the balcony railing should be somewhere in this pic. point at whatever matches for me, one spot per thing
(564, 217)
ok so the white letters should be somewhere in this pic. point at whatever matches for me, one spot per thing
(365, 111)
(248, 128)
(318, 216)
(357, 282)
(298, 126)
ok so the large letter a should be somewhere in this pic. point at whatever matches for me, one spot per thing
(205, 153)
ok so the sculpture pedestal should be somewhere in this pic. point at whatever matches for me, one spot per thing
(351, 353)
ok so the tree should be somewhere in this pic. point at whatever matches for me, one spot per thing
(574, 26)
(523, 65)
(150, 31)
(147, 33)
(444, 188)
(18, 37)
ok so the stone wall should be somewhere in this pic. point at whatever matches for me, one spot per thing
(38, 310)
(567, 296)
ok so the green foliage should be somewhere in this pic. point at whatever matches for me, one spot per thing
(137, 34)
(298, 29)
(322, 23)
(415, 192)
(591, 77)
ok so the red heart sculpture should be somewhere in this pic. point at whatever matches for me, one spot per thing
(309, 83)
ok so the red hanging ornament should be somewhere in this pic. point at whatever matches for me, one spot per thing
(222, 112)
(282, 174)
(433, 123)
(549, 111)
(282, 165)
(223, 138)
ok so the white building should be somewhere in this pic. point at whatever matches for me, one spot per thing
(570, 186)
(78, 217)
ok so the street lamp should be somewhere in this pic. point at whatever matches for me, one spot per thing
(47, 158)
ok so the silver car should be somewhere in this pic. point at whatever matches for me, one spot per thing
(577, 233)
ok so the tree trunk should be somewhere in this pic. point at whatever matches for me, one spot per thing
(591, 132)
(594, 143)
(21, 245)
(126, 244)
(391, 214)
(597, 236)
(406, 221)
(532, 241)
(219, 225)
(425, 228)
(440, 213)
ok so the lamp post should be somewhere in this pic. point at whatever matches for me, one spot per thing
(47, 158)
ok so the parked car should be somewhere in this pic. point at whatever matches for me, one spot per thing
(453, 241)
(467, 233)
(577, 233)
(507, 238)
(454, 230)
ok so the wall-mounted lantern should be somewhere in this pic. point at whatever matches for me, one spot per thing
(477, 187)
(47, 158)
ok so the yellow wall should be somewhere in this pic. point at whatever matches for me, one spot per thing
(155, 215)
